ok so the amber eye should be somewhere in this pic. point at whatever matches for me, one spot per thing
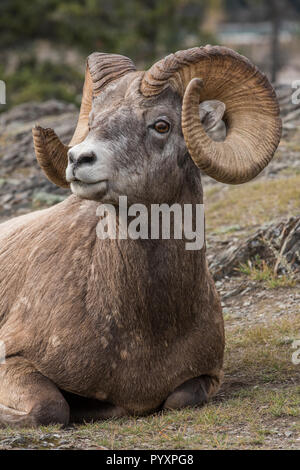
(162, 127)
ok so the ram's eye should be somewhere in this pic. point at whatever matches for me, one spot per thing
(162, 127)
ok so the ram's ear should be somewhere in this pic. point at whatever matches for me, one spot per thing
(211, 112)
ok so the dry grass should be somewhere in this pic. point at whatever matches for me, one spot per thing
(251, 204)
(262, 353)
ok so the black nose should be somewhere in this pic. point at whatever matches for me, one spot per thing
(86, 158)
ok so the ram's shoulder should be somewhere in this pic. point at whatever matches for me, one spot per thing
(72, 211)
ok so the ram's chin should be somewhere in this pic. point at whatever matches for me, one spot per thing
(91, 191)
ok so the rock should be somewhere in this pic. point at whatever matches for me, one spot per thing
(287, 105)
(32, 111)
(6, 198)
(23, 185)
(278, 244)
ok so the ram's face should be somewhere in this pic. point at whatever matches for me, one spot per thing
(134, 148)
(129, 138)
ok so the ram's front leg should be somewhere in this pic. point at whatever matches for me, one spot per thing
(193, 392)
(27, 398)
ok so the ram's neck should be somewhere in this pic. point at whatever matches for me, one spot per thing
(149, 284)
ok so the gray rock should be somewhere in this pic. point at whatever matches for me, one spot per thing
(23, 186)
(277, 243)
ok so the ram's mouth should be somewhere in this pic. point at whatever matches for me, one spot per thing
(84, 184)
(93, 191)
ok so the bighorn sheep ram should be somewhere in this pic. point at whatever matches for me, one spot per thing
(97, 328)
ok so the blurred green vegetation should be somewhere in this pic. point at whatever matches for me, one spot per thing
(38, 81)
(44, 43)
(132, 27)
(143, 30)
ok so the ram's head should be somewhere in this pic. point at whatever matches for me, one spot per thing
(140, 133)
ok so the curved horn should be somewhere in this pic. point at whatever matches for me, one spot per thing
(252, 111)
(46, 143)
(51, 154)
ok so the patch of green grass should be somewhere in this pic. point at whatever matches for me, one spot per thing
(281, 281)
(284, 406)
(210, 427)
(261, 272)
(39, 81)
(259, 353)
